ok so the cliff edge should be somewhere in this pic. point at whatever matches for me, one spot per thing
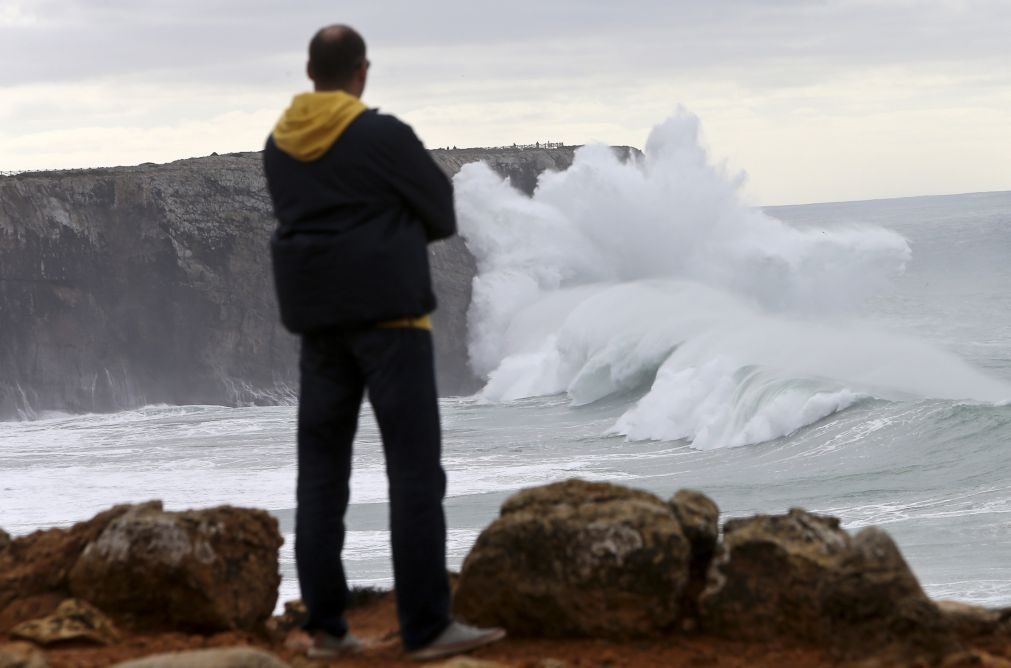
(126, 286)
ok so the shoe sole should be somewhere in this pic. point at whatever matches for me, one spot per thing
(429, 653)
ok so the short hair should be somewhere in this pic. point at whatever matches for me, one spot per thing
(335, 52)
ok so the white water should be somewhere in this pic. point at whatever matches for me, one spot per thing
(615, 276)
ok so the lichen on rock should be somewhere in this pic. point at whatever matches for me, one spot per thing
(212, 569)
(577, 558)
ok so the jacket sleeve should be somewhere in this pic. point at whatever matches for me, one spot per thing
(422, 183)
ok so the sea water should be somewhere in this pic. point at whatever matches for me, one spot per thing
(639, 323)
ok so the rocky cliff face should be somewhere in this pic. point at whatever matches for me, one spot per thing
(151, 284)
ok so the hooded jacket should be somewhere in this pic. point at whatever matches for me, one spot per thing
(357, 198)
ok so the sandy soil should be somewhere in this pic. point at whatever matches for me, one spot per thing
(375, 623)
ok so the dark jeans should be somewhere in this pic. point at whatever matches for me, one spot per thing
(396, 367)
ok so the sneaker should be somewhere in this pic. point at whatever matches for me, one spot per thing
(326, 646)
(457, 639)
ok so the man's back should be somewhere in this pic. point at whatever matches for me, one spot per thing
(350, 248)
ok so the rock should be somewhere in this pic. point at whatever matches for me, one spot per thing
(577, 559)
(800, 577)
(74, 620)
(468, 662)
(974, 659)
(5, 540)
(293, 617)
(699, 517)
(34, 568)
(971, 622)
(30, 607)
(228, 657)
(213, 569)
(21, 655)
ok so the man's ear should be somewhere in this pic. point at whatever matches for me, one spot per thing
(308, 71)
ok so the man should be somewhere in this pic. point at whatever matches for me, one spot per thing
(357, 198)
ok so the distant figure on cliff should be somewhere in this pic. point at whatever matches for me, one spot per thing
(358, 198)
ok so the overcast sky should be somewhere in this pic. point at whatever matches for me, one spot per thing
(816, 100)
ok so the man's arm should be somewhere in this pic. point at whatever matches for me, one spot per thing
(417, 177)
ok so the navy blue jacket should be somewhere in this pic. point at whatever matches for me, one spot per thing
(350, 249)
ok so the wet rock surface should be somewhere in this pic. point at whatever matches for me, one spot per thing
(577, 558)
(212, 569)
(800, 576)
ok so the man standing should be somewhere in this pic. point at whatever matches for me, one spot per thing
(358, 198)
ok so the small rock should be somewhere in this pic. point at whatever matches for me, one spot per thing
(74, 620)
(577, 558)
(467, 662)
(227, 657)
(293, 617)
(975, 659)
(971, 621)
(21, 655)
(550, 663)
(28, 607)
(211, 570)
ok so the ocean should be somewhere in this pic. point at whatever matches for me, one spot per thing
(639, 323)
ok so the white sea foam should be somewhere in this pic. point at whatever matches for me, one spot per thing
(616, 276)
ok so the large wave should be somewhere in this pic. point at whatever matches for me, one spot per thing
(652, 272)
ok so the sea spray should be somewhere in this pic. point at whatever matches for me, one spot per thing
(652, 273)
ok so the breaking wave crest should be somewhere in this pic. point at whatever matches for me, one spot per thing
(617, 276)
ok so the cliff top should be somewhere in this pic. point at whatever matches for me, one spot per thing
(456, 156)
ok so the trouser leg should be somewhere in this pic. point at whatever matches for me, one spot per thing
(400, 377)
(329, 402)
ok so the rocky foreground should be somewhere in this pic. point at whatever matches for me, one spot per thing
(581, 574)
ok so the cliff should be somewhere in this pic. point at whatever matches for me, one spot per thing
(151, 284)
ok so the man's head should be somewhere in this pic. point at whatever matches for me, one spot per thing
(337, 60)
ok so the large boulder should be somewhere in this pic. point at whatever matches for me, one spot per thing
(800, 577)
(577, 559)
(211, 569)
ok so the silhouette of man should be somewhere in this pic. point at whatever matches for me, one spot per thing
(358, 198)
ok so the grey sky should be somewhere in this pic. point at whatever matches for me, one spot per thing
(835, 99)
